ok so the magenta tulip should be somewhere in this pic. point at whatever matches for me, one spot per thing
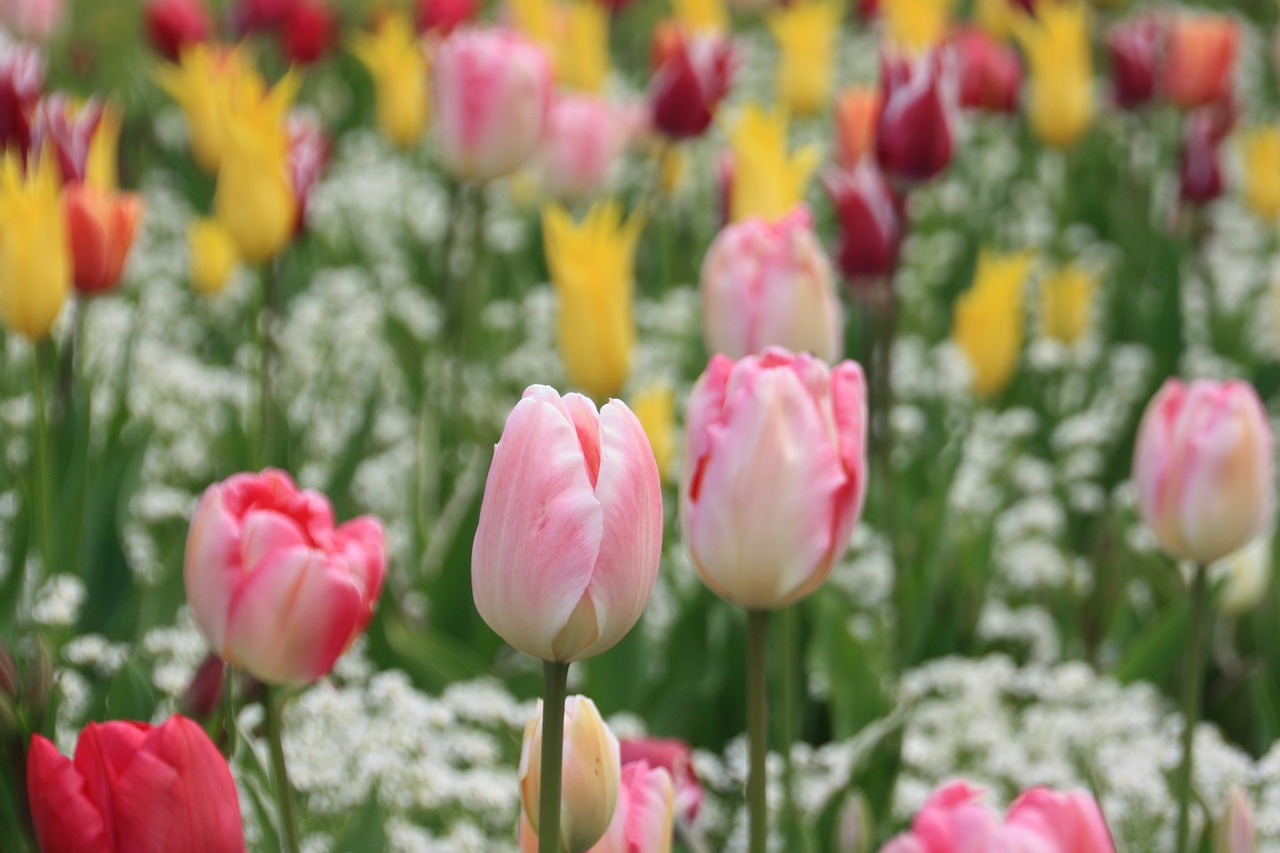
(916, 138)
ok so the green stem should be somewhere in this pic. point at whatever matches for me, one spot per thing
(555, 681)
(1191, 696)
(475, 296)
(757, 799)
(42, 491)
(279, 773)
(790, 697)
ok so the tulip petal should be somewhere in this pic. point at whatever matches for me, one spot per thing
(650, 815)
(104, 752)
(212, 564)
(264, 531)
(65, 817)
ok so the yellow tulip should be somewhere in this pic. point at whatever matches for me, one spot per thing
(768, 180)
(914, 26)
(396, 62)
(102, 169)
(203, 83)
(537, 20)
(35, 261)
(254, 200)
(582, 57)
(995, 17)
(805, 32)
(211, 256)
(1060, 101)
(988, 322)
(701, 15)
(655, 407)
(1066, 303)
(591, 266)
(1260, 149)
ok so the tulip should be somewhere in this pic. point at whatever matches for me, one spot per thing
(1200, 59)
(442, 17)
(211, 256)
(585, 137)
(915, 27)
(701, 16)
(21, 78)
(1066, 303)
(1134, 48)
(591, 266)
(1234, 832)
(35, 20)
(204, 692)
(172, 25)
(591, 775)
(570, 532)
(35, 265)
(1245, 577)
(953, 819)
(203, 82)
(768, 180)
(768, 283)
(805, 32)
(857, 116)
(1260, 150)
(100, 228)
(990, 73)
(645, 816)
(1202, 466)
(988, 324)
(687, 86)
(492, 91)
(402, 100)
(871, 222)
(67, 130)
(676, 757)
(582, 55)
(308, 155)
(915, 140)
(790, 422)
(1200, 173)
(277, 589)
(255, 16)
(309, 32)
(1057, 821)
(134, 787)
(1060, 102)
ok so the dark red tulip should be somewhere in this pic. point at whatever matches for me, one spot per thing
(871, 221)
(171, 25)
(205, 690)
(689, 84)
(68, 130)
(308, 155)
(256, 16)
(915, 139)
(676, 757)
(1134, 48)
(310, 31)
(990, 72)
(1200, 175)
(21, 79)
(442, 16)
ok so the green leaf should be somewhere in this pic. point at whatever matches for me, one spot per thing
(1154, 655)
(364, 832)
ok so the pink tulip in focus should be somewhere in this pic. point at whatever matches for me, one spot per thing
(871, 222)
(1069, 821)
(690, 79)
(644, 819)
(1202, 465)
(34, 20)
(774, 474)
(769, 284)
(275, 587)
(171, 25)
(990, 72)
(570, 532)
(492, 92)
(1134, 49)
(676, 757)
(584, 137)
(916, 137)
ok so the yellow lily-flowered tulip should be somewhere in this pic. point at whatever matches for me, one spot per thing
(1060, 100)
(537, 20)
(988, 322)
(211, 256)
(582, 60)
(768, 180)
(995, 17)
(396, 62)
(35, 261)
(1066, 303)
(102, 169)
(806, 32)
(914, 26)
(1260, 149)
(203, 83)
(697, 16)
(254, 200)
(592, 267)
(655, 407)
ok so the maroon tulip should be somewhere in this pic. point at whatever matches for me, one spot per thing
(990, 72)
(871, 221)
(68, 130)
(134, 787)
(308, 155)
(676, 757)
(1200, 176)
(915, 140)
(442, 16)
(1134, 48)
(693, 77)
(171, 25)
(309, 32)
(21, 79)
(205, 690)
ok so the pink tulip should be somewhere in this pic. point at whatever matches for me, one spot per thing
(276, 589)
(676, 757)
(769, 284)
(1202, 465)
(570, 532)
(584, 137)
(32, 19)
(990, 71)
(916, 138)
(492, 92)
(644, 818)
(774, 474)
(1069, 821)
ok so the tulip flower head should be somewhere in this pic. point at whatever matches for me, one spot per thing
(774, 474)
(915, 27)
(805, 32)
(398, 66)
(68, 130)
(1202, 465)
(310, 32)
(1200, 173)
(693, 76)
(1060, 100)
(674, 756)
(990, 72)
(35, 264)
(570, 532)
(871, 222)
(1235, 830)
(1200, 59)
(988, 323)
(22, 72)
(1134, 47)
(592, 267)
(203, 83)
(768, 179)
(1066, 303)
(915, 138)
(644, 819)
(655, 408)
(1260, 151)
(442, 17)
(34, 20)
(212, 256)
(100, 228)
(277, 589)
(857, 117)
(172, 25)
(585, 138)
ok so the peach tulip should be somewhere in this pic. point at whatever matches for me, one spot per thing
(1200, 59)
(570, 532)
(100, 228)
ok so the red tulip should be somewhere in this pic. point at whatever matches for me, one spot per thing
(442, 16)
(990, 72)
(1200, 175)
(134, 787)
(100, 228)
(915, 139)
(871, 222)
(21, 79)
(308, 155)
(171, 25)
(694, 75)
(310, 31)
(1134, 47)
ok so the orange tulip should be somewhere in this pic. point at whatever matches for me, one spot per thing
(857, 116)
(100, 228)
(1201, 57)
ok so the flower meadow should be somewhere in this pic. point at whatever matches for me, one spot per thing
(639, 426)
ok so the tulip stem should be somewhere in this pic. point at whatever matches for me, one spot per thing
(1191, 689)
(790, 628)
(556, 681)
(41, 490)
(757, 731)
(279, 772)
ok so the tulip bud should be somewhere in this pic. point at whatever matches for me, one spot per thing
(1060, 97)
(570, 532)
(1234, 833)
(590, 778)
(1202, 465)
(790, 422)
(854, 828)
(33, 20)
(171, 25)
(1245, 576)
(644, 819)
(1043, 819)
(955, 817)
(990, 72)
(100, 228)
(582, 144)
(676, 757)
(871, 222)
(915, 139)
(310, 31)
(1200, 59)
(857, 115)
(443, 16)
(1200, 173)
(768, 283)
(35, 264)
(688, 85)
(1134, 47)
(211, 256)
